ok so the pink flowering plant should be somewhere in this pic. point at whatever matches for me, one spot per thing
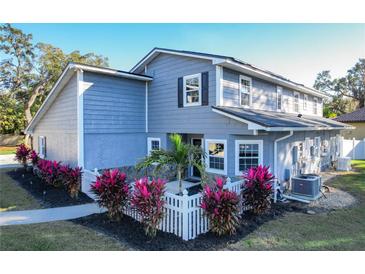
(257, 189)
(21, 154)
(112, 192)
(49, 171)
(33, 157)
(148, 200)
(221, 207)
(71, 179)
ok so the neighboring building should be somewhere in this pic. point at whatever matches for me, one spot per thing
(355, 119)
(241, 115)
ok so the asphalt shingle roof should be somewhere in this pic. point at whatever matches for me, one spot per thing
(272, 119)
(356, 116)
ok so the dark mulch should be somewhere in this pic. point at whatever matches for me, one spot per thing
(47, 195)
(130, 232)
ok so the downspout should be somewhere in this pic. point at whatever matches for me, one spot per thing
(146, 99)
(276, 158)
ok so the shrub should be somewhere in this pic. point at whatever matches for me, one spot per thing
(148, 200)
(257, 189)
(49, 172)
(22, 153)
(33, 157)
(221, 207)
(71, 179)
(112, 192)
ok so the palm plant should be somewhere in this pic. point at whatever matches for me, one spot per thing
(180, 157)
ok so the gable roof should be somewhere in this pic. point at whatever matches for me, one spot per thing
(232, 63)
(66, 75)
(355, 116)
(279, 121)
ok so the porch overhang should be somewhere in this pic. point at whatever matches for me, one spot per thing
(279, 121)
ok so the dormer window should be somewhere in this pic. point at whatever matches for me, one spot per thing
(192, 90)
(245, 91)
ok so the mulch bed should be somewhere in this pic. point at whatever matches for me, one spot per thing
(47, 195)
(130, 232)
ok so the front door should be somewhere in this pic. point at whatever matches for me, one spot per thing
(196, 142)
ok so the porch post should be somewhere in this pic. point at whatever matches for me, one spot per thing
(185, 215)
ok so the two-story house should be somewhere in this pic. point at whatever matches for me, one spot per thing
(241, 115)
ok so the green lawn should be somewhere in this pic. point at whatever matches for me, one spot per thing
(55, 236)
(7, 150)
(14, 197)
(338, 230)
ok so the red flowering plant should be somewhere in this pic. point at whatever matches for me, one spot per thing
(112, 192)
(33, 157)
(257, 189)
(221, 207)
(49, 171)
(71, 179)
(21, 154)
(148, 200)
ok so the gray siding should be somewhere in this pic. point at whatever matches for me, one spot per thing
(114, 121)
(163, 112)
(263, 94)
(59, 126)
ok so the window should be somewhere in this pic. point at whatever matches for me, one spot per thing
(317, 146)
(315, 106)
(245, 91)
(192, 90)
(248, 154)
(305, 102)
(217, 157)
(153, 144)
(42, 146)
(296, 101)
(279, 98)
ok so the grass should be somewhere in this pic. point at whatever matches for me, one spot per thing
(5, 150)
(342, 229)
(62, 235)
(14, 197)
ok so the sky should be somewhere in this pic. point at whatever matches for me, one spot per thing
(296, 51)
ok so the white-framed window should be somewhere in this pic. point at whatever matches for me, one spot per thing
(192, 90)
(315, 106)
(153, 144)
(248, 153)
(305, 102)
(42, 146)
(317, 146)
(245, 88)
(296, 101)
(216, 151)
(279, 98)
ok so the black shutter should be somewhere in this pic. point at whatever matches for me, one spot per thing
(205, 88)
(180, 92)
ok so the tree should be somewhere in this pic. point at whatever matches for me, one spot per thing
(181, 156)
(11, 114)
(345, 92)
(29, 71)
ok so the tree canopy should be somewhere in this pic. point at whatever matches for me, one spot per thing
(28, 72)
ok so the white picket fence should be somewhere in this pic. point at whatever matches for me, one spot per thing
(353, 148)
(183, 215)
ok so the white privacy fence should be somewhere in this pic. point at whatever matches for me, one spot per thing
(353, 148)
(183, 215)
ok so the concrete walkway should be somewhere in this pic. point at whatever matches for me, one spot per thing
(48, 214)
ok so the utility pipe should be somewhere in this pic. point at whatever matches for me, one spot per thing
(276, 158)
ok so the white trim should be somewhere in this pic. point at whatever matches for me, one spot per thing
(243, 77)
(199, 76)
(219, 85)
(149, 143)
(305, 102)
(206, 148)
(249, 142)
(298, 103)
(146, 99)
(80, 118)
(279, 90)
(250, 125)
